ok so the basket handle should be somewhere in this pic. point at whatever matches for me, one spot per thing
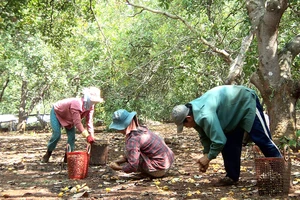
(88, 148)
(256, 151)
(68, 148)
(286, 152)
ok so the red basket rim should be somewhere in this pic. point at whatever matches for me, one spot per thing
(76, 152)
(269, 158)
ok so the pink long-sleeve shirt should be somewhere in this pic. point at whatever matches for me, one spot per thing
(70, 112)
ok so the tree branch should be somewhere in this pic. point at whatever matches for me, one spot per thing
(162, 13)
(293, 47)
(98, 24)
(3, 88)
(135, 14)
(286, 57)
(102, 33)
(38, 97)
(236, 66)
(225, 55)
(51, 15)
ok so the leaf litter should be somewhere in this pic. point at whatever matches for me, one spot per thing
(24, 176)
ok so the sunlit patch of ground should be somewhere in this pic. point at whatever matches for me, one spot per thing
(24, 176)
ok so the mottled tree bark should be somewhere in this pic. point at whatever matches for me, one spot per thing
(273, 76)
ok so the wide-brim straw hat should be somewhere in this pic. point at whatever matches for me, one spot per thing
(95, 95)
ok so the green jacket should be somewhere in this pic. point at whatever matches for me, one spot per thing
(221, 110)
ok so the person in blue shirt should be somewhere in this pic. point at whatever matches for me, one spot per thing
(221, 116)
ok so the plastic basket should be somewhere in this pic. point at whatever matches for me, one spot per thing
(78, 163)
(273, 175)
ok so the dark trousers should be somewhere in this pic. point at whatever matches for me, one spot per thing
(260, 135)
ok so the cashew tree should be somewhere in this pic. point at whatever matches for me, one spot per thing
(274, 77)
(269, 48)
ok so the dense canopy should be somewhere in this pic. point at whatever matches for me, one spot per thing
(148, 56)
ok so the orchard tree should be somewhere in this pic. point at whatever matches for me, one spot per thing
(29, 33)
(274, 68)
(274, 77)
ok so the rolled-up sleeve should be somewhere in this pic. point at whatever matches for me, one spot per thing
(90, 122)
(133, 155)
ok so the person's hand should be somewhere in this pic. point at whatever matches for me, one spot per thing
(90, 139)
(202, 168)
(203, 163)
(115, 166)
(121, 160)
(85, 133)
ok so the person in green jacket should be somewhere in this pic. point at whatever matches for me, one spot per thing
(221, 116)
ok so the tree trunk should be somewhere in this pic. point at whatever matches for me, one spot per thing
(22, 108)
(273, 77)
(282, 113)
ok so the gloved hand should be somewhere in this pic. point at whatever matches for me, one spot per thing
(90, 139)
(85, 133)
(203, 163)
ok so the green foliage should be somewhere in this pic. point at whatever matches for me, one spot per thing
(11, 13)
(142, 61)
(164, 4)
(291, 142)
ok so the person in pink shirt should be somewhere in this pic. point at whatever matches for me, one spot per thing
(68, 113)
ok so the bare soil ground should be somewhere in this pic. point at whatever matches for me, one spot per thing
(23, 176)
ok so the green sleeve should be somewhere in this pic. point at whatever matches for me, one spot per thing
(212, 128)
(205, 141)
